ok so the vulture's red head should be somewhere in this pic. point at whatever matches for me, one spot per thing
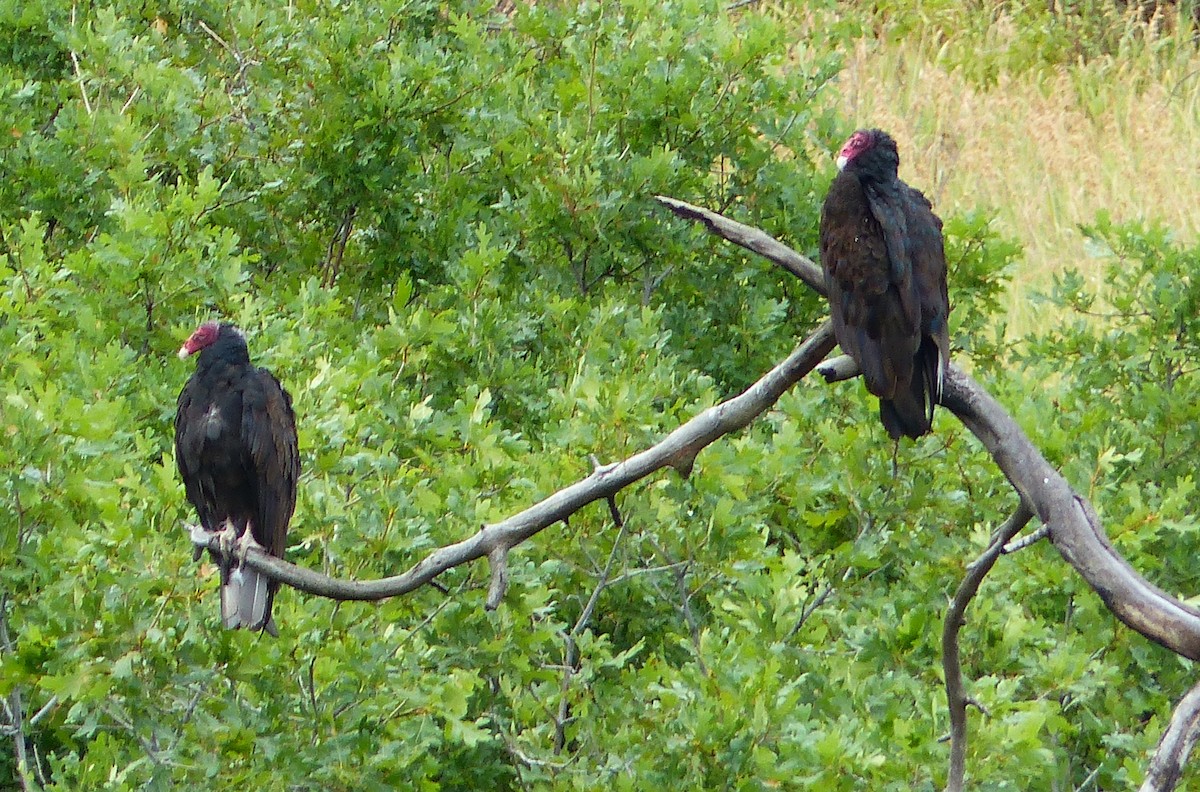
(208, 334)
(871, 151)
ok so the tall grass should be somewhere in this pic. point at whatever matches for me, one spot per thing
(1046, 120)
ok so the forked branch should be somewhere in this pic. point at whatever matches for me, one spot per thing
(1074, 527)
(1066, 517)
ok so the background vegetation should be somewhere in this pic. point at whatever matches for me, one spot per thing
(1041, 118)
(436, 223)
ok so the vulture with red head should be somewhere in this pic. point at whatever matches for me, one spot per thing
(885, 271)
(235, 445)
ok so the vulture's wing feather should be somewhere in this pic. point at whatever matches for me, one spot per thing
(888, 210)
(181, 430)
(875, 310)
(269, 438)
(928, 254)
(189, 443)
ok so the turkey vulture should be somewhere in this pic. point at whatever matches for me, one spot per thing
(235, 445)
(885, 271)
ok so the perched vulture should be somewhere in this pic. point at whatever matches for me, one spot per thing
(235, 445)
(885, 270)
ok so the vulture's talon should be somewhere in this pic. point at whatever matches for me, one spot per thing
(199, 539)
(226, 541)
(243, 547)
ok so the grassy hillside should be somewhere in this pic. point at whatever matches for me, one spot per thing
(1045, 120)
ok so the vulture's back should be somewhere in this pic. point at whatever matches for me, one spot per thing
(236, 449)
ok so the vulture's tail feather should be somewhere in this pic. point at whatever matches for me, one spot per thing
(910, 412)
(904, 416)
(246, 601)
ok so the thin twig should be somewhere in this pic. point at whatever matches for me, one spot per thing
(1025, 541)
(14, 707)
(956, 696)
(212, 34)
(571, 663)
(685, 600)
(137, 91)
(187, 715)
(46, 709)
(808, 610)
(679, 572)
(87, 104)
(337, 245)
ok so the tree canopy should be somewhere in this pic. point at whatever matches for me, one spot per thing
(437, 224)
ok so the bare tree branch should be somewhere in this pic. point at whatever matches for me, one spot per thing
(1074, 527)
(838, 369)
(14, 708)
(956, 694)
(1072, 524)
(753, 240)
(1175, 745)
(678, 450)
(498, 561)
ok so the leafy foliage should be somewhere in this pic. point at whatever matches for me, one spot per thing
(436, 223)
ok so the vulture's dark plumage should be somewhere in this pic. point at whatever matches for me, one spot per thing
(885, 270)
(235, 444)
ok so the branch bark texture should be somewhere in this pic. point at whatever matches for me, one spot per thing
(1075, 528)
(1175, 745)
(752, 239)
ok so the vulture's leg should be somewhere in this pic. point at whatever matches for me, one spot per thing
(895, 453)
(226, 539)
(242, 549)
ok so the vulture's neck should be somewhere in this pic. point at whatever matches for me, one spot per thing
(224, 353)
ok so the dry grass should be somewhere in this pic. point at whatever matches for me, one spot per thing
(1046, 148)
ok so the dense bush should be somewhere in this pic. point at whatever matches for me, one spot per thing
(436, 223)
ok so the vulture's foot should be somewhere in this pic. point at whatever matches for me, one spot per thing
(199, 538)
(226, 541)
(242, 549)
